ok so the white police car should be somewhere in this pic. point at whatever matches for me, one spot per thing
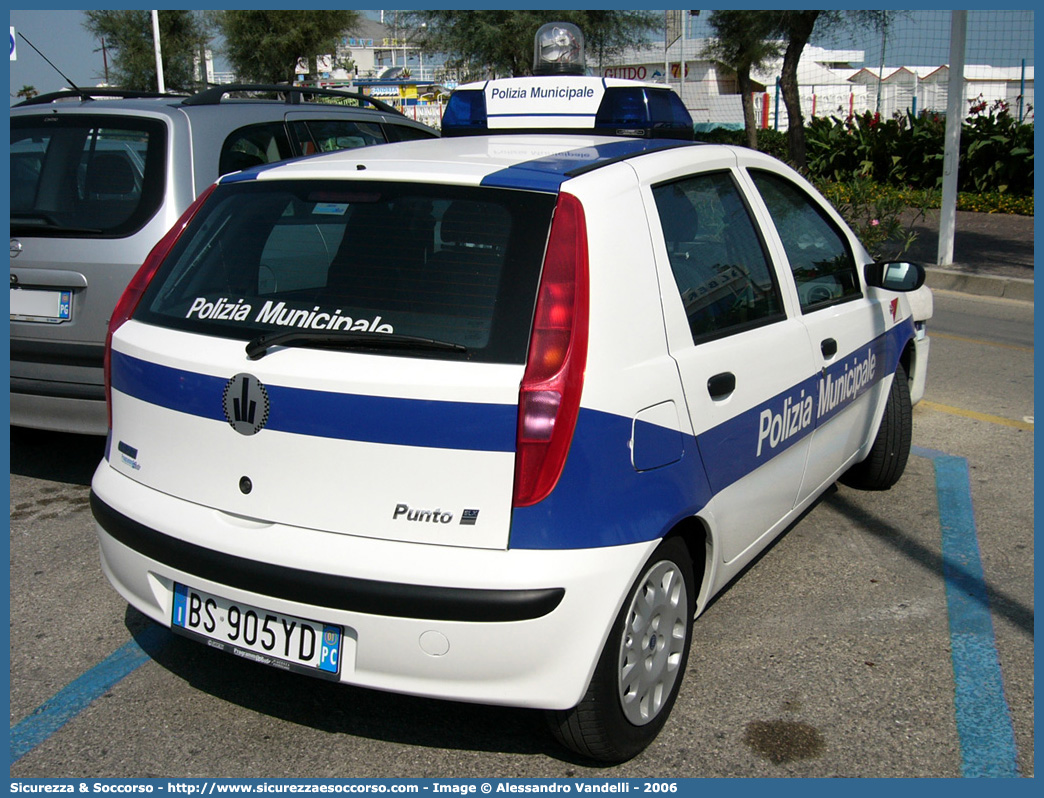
(492, 418)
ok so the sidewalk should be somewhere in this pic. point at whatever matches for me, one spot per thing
(992, 253)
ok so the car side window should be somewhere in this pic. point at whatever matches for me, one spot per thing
(716, 255)
(252, 146)
(328, 135)
(820, 258)
(406, 133)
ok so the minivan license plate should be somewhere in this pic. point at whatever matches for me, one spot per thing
(51, 307)
(271, 638)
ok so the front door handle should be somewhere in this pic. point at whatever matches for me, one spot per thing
(720, 386)
(828, 348)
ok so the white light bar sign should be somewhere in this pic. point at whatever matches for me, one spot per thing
(561, 101)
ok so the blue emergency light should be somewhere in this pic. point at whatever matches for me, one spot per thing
(560, 98)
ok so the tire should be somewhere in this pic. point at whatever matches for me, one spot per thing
(886, 462)
(642, 666)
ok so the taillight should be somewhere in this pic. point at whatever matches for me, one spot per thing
(136, 287)
(549, 398)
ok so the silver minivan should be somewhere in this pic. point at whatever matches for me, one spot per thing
(98, 177)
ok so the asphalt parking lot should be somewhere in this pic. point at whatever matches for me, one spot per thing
(885, 635)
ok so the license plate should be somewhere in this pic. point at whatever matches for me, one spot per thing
(271, 638)
(30, 304)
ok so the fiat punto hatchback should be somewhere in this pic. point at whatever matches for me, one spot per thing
(492, 418)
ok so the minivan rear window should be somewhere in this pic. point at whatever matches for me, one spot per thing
(455, 265)
(85, 175)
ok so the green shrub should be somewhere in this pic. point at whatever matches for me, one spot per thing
(867, 165)
(773, 142)
(994, 202)
(907, 150)
(996, 151)
(722, 135)
(840, 193)
(878, 217)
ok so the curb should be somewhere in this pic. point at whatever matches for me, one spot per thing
(980, 284)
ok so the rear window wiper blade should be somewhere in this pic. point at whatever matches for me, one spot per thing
(259, 347)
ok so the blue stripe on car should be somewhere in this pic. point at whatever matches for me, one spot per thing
(540, 174)
(549, 172)
(632, 505)
(325, 414)
(600, 500)
(239, 177)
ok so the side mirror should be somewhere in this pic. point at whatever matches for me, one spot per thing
(895, 275)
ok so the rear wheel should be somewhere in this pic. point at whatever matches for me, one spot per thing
(886, 462)
(641, 667)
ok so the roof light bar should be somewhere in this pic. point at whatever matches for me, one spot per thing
(558, 49)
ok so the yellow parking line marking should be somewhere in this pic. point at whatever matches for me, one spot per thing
(967, 340)
(957, 411)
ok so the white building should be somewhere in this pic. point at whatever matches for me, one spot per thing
(831, 83)
(926, 88)
(709, 89)
(374, 51)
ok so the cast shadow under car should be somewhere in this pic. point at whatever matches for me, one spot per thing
(343, 709)
(55, 456)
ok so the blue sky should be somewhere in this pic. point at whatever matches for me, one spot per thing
(919, 38)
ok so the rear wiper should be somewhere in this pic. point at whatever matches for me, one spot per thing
(257, 348)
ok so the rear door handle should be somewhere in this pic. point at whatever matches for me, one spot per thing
(721, 385)
(828, 348)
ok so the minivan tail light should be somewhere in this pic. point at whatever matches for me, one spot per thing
(139, 282)
(549, 397)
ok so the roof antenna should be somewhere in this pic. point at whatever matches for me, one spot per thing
(75, 88)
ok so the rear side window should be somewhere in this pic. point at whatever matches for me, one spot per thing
(457, 265)
(254, 145)
(407, 133)
(327, 135)
(820, 258)
(85, 176)
(716, 255)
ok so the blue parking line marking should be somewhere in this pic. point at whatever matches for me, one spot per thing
(983, 719)
(75, 697)
(984, 726)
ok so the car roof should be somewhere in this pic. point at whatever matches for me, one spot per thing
(529, 161)
(122, 101)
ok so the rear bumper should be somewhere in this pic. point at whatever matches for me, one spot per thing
(38, 410)
(919, 376)
(520, 628)
(57, 385)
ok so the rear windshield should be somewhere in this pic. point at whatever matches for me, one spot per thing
(458, 265)
(85, 176)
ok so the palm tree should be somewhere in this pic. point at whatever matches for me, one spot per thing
(744, 40)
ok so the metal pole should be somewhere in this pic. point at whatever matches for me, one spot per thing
(156, 45)
(951, 153)
(880, 75)
(681, 60)
(666, 60)
(1022, 90)
(775, 125)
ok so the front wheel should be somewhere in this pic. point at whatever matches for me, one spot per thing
(891, 448)
(641, 667)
